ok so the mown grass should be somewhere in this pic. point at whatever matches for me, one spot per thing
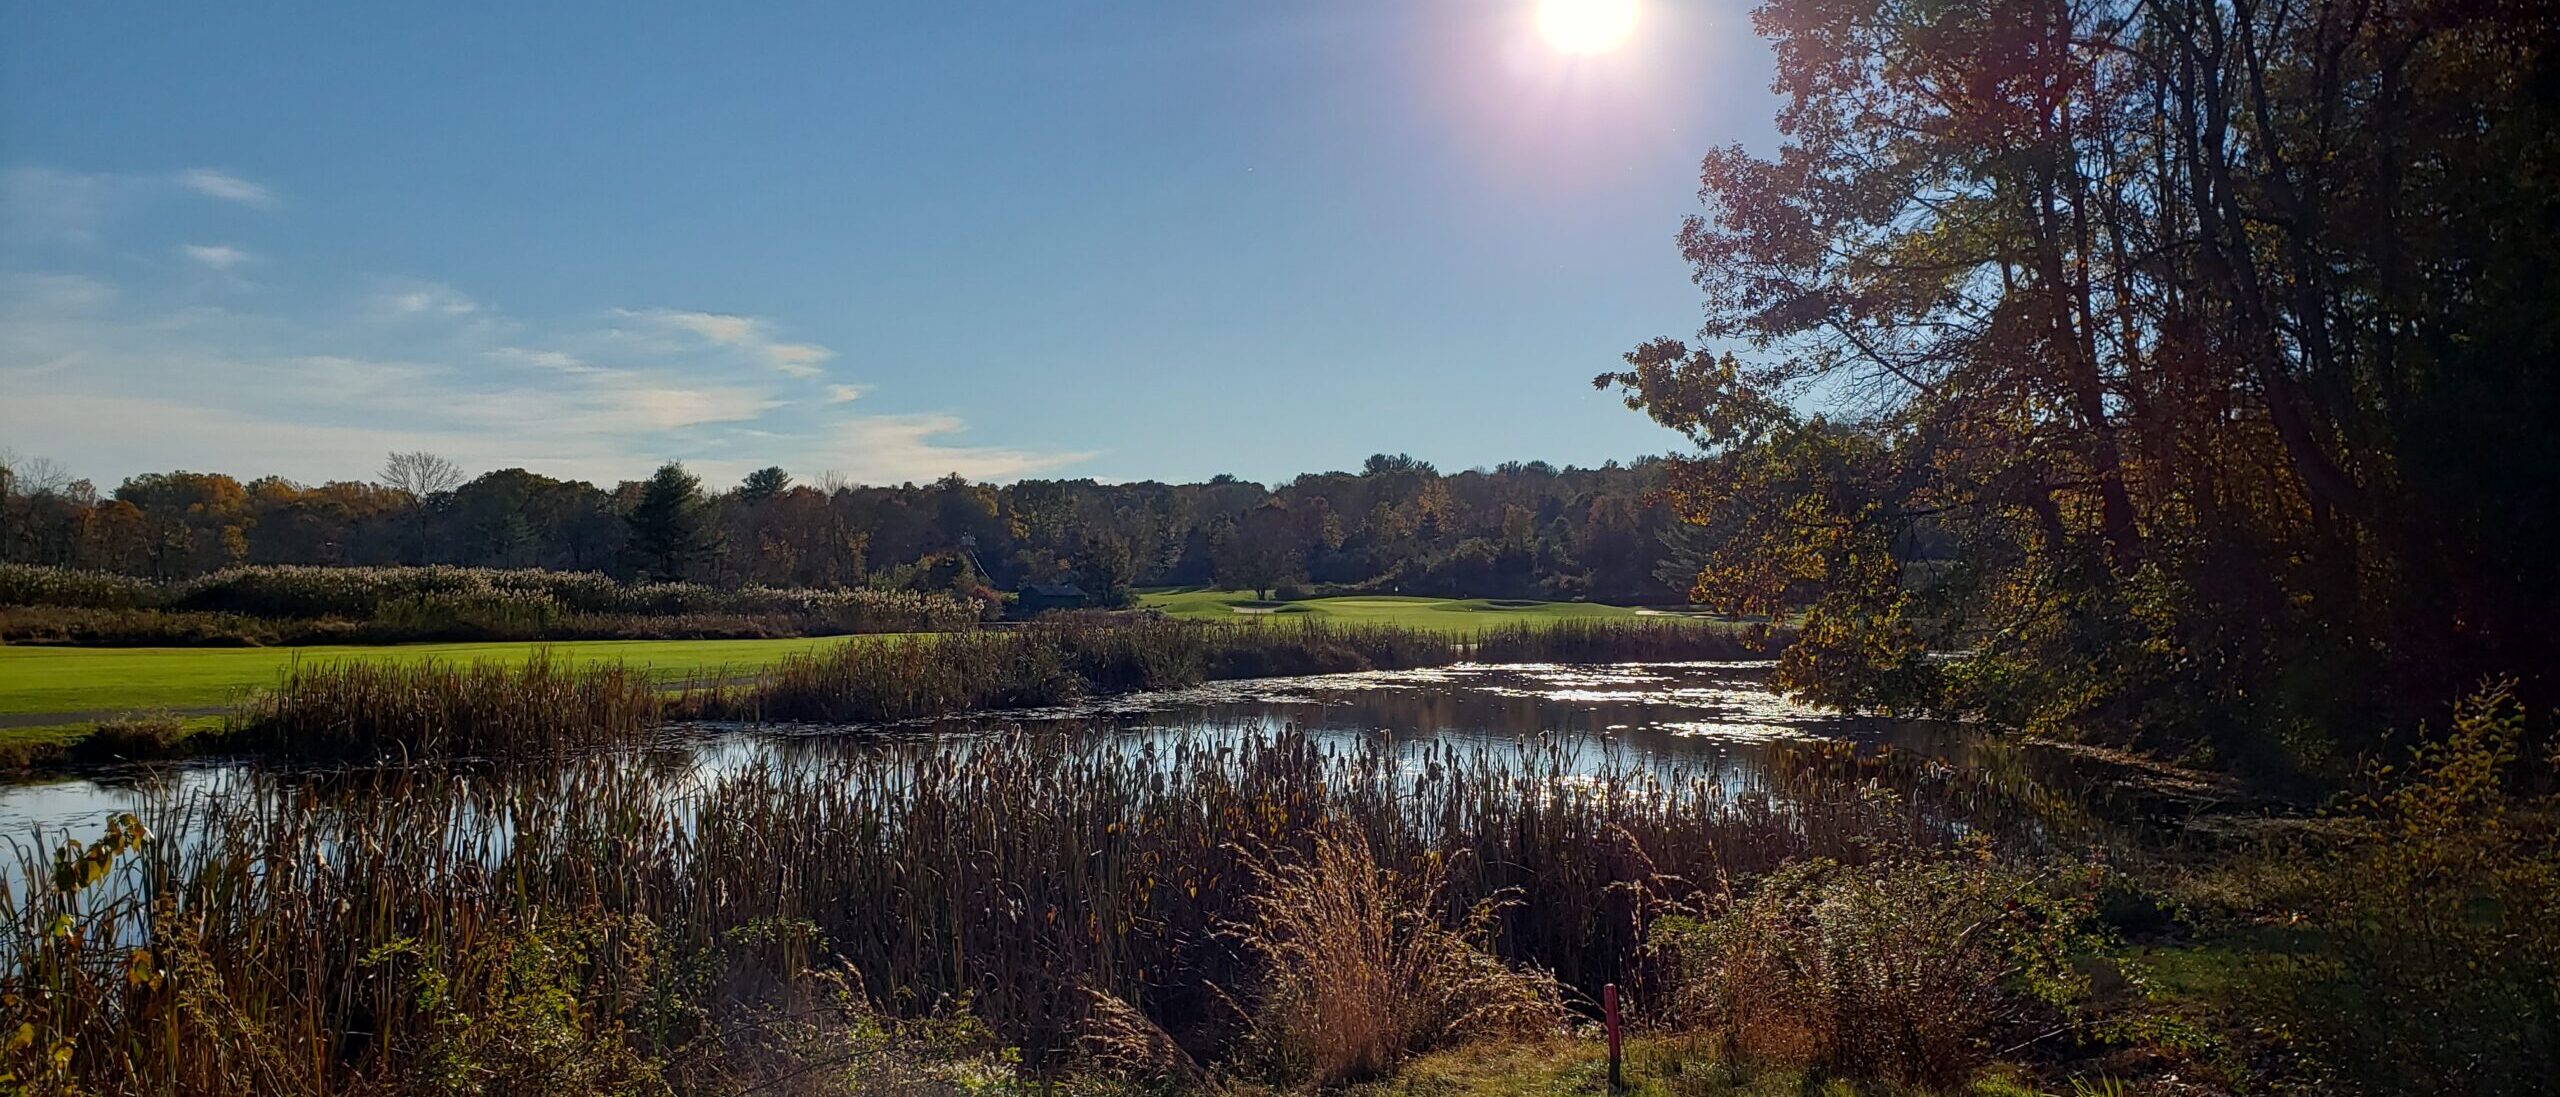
(36, 680)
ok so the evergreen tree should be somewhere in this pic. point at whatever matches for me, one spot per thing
(763, 484)
(670, 534)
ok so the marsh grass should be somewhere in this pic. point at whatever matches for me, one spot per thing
(1608, 641)
(358, 930)
(270, 604)
(364, 709)
(1048, 663)
(1361, 972)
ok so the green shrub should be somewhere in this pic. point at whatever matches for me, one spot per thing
(2432, 955)
(477, 615)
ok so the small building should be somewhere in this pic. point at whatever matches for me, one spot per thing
(1036, 598)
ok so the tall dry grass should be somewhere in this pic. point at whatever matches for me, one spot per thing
(358, 930)
(1659, 640)
(1361, 971)
(1910, 968)
(297, 603)
(1050, 663)
(1054, 662)
(369, 708)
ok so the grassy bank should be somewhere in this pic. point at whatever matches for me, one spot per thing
(54, 700)
(36, 680)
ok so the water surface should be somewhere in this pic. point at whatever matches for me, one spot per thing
(1719, 718)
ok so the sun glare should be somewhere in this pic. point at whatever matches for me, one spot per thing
(1586, 26)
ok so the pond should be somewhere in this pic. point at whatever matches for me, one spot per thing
(1017, 861)
(1721, 719)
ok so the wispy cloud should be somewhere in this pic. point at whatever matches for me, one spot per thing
(122, 383)
(215, 256)
(895, 448)
(214, 183)
(410, 299)
(41, 203)
(745, 333)
(547, 359)
(125, 376)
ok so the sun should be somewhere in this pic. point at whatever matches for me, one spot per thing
(1586, 26)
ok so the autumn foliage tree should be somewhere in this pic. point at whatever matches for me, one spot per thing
(2188, 363)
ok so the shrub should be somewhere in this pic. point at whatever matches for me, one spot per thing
(492, 614)
(1909, 967)
(37, 585)
(133, 738)
(93, 627)
(2433, 963)
(1360, 972)
(305, 603)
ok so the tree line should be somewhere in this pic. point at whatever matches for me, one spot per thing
(2190, 362)
(1398, 524)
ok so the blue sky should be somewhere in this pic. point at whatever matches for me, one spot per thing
(1141, 240)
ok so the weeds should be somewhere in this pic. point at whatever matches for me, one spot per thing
(2432, 958)
(1360, 972)
(1908, 967)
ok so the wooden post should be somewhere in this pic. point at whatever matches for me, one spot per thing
(1609, 1008)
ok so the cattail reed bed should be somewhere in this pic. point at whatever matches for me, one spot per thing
(366, 708)
(1048, 664)
(430, 709)
(365, 930)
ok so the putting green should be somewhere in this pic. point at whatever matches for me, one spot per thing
(90, 680)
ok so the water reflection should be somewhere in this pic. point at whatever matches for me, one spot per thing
(1717, 719)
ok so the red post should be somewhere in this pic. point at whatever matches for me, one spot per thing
(1609, 1008)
